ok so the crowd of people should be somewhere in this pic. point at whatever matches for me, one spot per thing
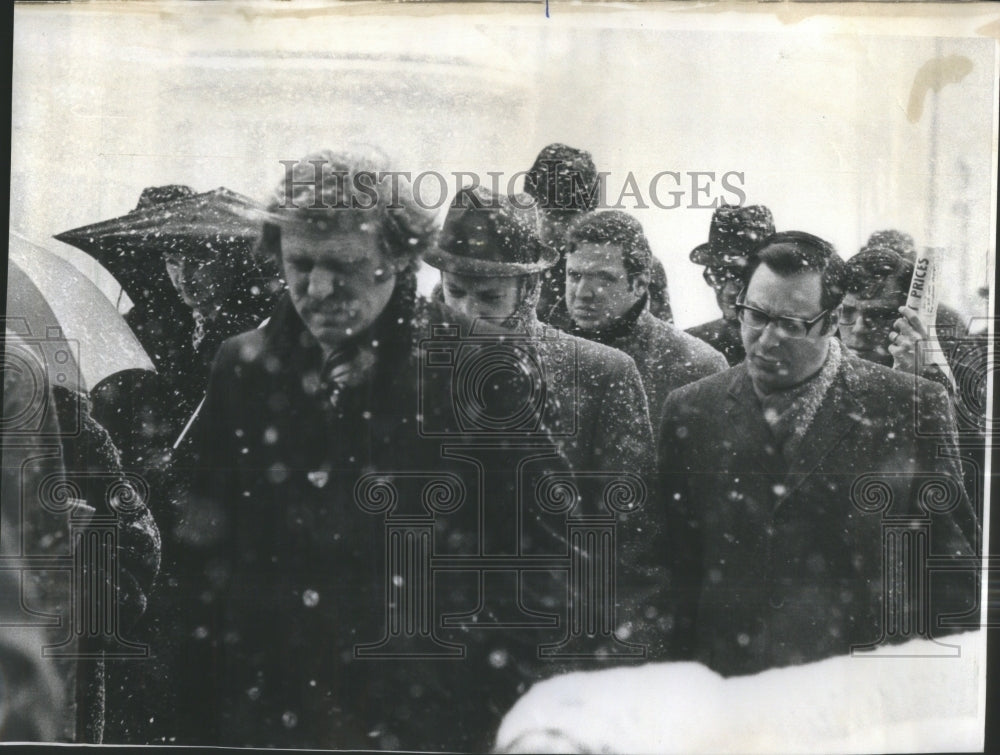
(374, 506)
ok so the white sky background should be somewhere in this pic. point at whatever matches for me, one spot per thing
(108, 99)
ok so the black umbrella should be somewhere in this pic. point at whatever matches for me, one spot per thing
(131, 246)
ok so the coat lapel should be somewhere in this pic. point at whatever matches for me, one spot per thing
(839, 413)
(755, 436)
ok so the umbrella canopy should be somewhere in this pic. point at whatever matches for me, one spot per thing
(131, 246)
(59, 312)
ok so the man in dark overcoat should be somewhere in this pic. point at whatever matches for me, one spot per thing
(814, 498)
(343, 446)
(608, 267)
(492, 266)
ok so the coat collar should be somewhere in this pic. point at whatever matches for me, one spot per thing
(837, 415)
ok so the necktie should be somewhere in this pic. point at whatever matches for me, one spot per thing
(338, 372)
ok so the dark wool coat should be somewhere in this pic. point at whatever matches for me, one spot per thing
(56, 454)
(771, 565)
(299, 575)
(723, 336)
(598, 408)
(667, 358)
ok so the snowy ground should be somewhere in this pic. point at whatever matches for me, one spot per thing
(917, 697)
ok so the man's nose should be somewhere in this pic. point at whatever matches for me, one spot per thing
(770, 336)
(860, 325)
(467, 308)
(322, 283)
(585, 289)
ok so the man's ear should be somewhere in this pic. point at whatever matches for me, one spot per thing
(640, 284)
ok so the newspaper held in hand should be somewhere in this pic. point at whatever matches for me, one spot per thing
(923, 298)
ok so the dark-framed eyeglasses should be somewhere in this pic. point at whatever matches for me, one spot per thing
(788, 327)
(718, 276)
(873, 317)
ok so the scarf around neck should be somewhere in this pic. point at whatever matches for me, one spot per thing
(790, 412)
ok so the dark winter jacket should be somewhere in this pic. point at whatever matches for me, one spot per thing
(72, 483)
(603, 421)
(723, 336)
(771, 565)
(667, 358)
(302, 507)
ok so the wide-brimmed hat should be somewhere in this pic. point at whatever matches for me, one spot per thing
(734, 235)
(491, 235)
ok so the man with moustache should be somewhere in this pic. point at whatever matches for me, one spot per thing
(316, 439)
(780, 476)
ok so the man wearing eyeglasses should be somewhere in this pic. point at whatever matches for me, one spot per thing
(733, 237)
(872, 324)
(781, 475)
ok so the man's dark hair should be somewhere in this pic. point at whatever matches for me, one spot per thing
(792, 252)
(614, 227)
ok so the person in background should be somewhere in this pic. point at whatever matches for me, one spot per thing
(218, 288)
(780, 476)
(36, 691)
(608, 264)
(733, 236)
(565, 183)
(876, 325)
(492, 266)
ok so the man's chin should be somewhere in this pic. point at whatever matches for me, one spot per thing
(587, 324)
(767, 374)
(332, 332)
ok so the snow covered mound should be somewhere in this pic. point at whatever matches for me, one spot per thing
(918, 697)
